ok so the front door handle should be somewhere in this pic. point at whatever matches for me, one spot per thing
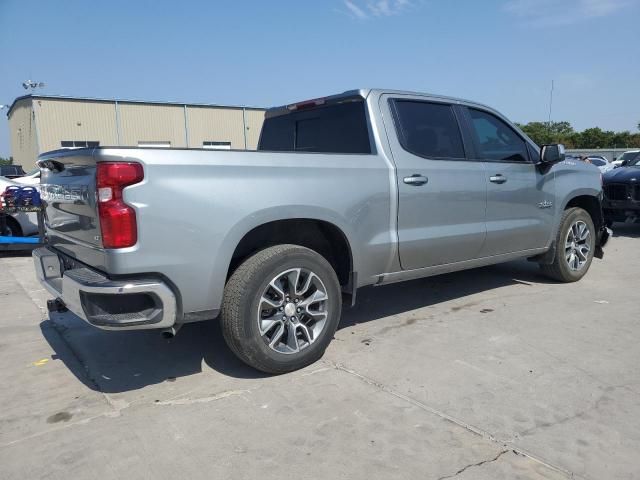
(416, 180)
(498, 178)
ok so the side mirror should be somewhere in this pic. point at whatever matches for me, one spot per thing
(551, 154)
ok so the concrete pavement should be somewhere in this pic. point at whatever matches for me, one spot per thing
(487, 374)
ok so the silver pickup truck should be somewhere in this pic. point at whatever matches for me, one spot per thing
(367, 187)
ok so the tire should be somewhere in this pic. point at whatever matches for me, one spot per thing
(565, 267)
(12, 228)
(256, 295)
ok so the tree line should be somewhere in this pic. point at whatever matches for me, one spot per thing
(562, 132)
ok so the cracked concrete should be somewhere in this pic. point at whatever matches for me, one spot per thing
(477, 464)
(488, 374)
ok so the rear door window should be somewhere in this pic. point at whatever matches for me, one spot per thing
(337, 128)
(495, 139)
(428, 130)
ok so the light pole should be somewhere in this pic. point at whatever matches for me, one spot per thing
(550, 104)
(30, 84)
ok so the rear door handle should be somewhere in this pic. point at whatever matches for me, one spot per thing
(498, 178)
(416, 180)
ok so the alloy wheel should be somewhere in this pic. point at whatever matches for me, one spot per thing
(292, 311)
(578, 245)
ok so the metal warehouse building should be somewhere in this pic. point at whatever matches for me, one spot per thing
(39, 123)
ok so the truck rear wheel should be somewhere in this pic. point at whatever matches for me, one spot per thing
(575, 245)
(281, 308)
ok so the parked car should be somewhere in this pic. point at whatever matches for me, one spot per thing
(367, 187)
(19, 224)
(11, 171)
(626, 157)
(622, 192)
(602, 165)
(31, 178)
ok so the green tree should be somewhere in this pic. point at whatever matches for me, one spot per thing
(562, 132)
(543, 133)
(6, 161)
(595, 138)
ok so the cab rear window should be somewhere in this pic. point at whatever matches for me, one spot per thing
(337, 128)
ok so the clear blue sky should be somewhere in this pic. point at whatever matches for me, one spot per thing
(256, 52)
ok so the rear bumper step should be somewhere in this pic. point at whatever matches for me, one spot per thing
(131, 304)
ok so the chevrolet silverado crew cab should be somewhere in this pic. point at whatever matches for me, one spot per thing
(367, 187)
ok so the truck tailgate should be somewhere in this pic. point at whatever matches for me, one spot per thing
(68, 189)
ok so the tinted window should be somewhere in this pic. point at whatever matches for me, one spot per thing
(340, 128)
(277, 134)
(495, 139)
(597, 162)
(428, 129)
(629, 156)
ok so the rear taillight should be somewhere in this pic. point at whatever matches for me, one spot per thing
(117, 219)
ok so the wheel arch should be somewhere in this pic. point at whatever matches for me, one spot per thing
(14, 225)
(241, 240)
(588, 200)
(591, 204)
(322, 236)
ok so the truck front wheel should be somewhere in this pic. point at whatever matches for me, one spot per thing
(281, 308)
(575, 246)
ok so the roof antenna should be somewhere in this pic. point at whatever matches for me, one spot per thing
(550, 105)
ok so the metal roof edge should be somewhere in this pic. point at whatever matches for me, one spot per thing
(118, 100)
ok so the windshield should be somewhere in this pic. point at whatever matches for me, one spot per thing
(628, 155)
(597, 162)
(635, 162)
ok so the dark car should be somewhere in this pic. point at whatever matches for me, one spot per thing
(621, 189)
(11, 171)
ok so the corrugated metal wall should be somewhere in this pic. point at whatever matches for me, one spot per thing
(151, 123)
(207, 124)
(122, 123)
(68, 120)
(254, 120)
(24, 137)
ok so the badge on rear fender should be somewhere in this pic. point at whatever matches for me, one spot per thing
(545, 204)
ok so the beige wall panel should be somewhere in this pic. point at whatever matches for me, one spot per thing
(254, 119)
(210, 124)
(152, 123)
(62, 120)
(24, 138)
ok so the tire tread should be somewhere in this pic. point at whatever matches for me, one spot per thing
(235, 294)
(555, 270)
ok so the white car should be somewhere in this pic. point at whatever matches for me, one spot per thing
(31, 178)
(602, 165)
(19, 224)
(626, 156)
